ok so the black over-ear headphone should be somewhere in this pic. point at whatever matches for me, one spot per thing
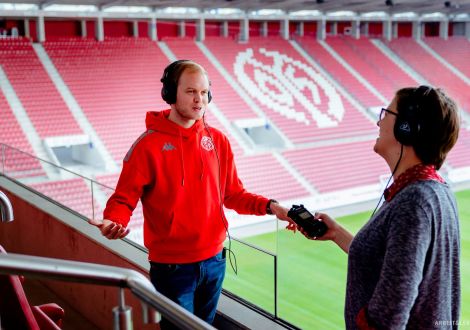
(408, 123)
(170, 84)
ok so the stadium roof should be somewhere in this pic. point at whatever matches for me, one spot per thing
(420, 7)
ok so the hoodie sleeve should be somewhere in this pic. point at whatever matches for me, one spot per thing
(236, 197)
(135, 175)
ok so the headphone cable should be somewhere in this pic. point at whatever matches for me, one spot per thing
(233, 263)
(391, 176)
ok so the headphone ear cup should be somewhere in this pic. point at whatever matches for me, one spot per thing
(165, 94)
(168, 93)
(401, 132)
(406, 130)
(169, 87)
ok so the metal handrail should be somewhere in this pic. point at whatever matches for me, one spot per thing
(84, 272)
(6, 210)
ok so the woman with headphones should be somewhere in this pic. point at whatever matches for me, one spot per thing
(403, 264)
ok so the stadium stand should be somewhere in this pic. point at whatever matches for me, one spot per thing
(16, 163)
(94, 72)
(43, 103)
(328, 139)
(115, 82)
(73, 193)
(372, 64)
(459, 156)
(106, 188)
(432, 70)
(227, 98)
(353, 122)
(257, 172)
(455, 50)
(339, 166)
(340, 74)
(262, 173)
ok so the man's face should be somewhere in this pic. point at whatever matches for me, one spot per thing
(191, 97)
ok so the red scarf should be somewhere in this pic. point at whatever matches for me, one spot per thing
(418, 172)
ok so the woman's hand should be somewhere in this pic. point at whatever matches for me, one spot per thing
(335, 232)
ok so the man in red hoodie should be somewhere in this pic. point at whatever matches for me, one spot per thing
(183, 171)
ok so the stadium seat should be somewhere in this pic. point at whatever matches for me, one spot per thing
(17, 313)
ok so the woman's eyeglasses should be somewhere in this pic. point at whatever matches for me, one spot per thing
(382, 112)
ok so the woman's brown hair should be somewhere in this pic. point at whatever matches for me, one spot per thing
(438, 119)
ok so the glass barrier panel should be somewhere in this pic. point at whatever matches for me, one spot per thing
(20, 165)
(61, 185)
(254, 280)
(312, 279)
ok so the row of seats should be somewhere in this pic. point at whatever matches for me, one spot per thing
(115, 82)
(266, 51)
(455, 50)
(377, 68)
(15, 163)
(95, 72)
(432, 70)
(73, 193)
(338, 167)
(37, 93)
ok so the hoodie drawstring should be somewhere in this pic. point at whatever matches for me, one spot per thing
(201, 158)
(182, 158)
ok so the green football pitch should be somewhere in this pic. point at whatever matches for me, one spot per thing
(311, 276)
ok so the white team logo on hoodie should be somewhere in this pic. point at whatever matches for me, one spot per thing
(207, 143)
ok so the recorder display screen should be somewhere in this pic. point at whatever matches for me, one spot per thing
(305, 215)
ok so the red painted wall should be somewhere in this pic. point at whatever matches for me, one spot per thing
(329, 27)
(405, 29)
(375, 29)
(255, 29)
(117, 29)
(143, 29)
(274, 28)
(57, 29)
(32, 30)
(190, 28)
(90, 29)
(213, 29)
(292, 28)
(310, 29)
(234, 29)
(167, 29)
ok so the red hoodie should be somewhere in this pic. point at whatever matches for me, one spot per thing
(175, 172)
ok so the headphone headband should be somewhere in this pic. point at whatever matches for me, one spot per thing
(170, 83)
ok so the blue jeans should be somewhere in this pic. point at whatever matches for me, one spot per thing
(194, 286)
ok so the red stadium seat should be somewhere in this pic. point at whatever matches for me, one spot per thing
(17, 313)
